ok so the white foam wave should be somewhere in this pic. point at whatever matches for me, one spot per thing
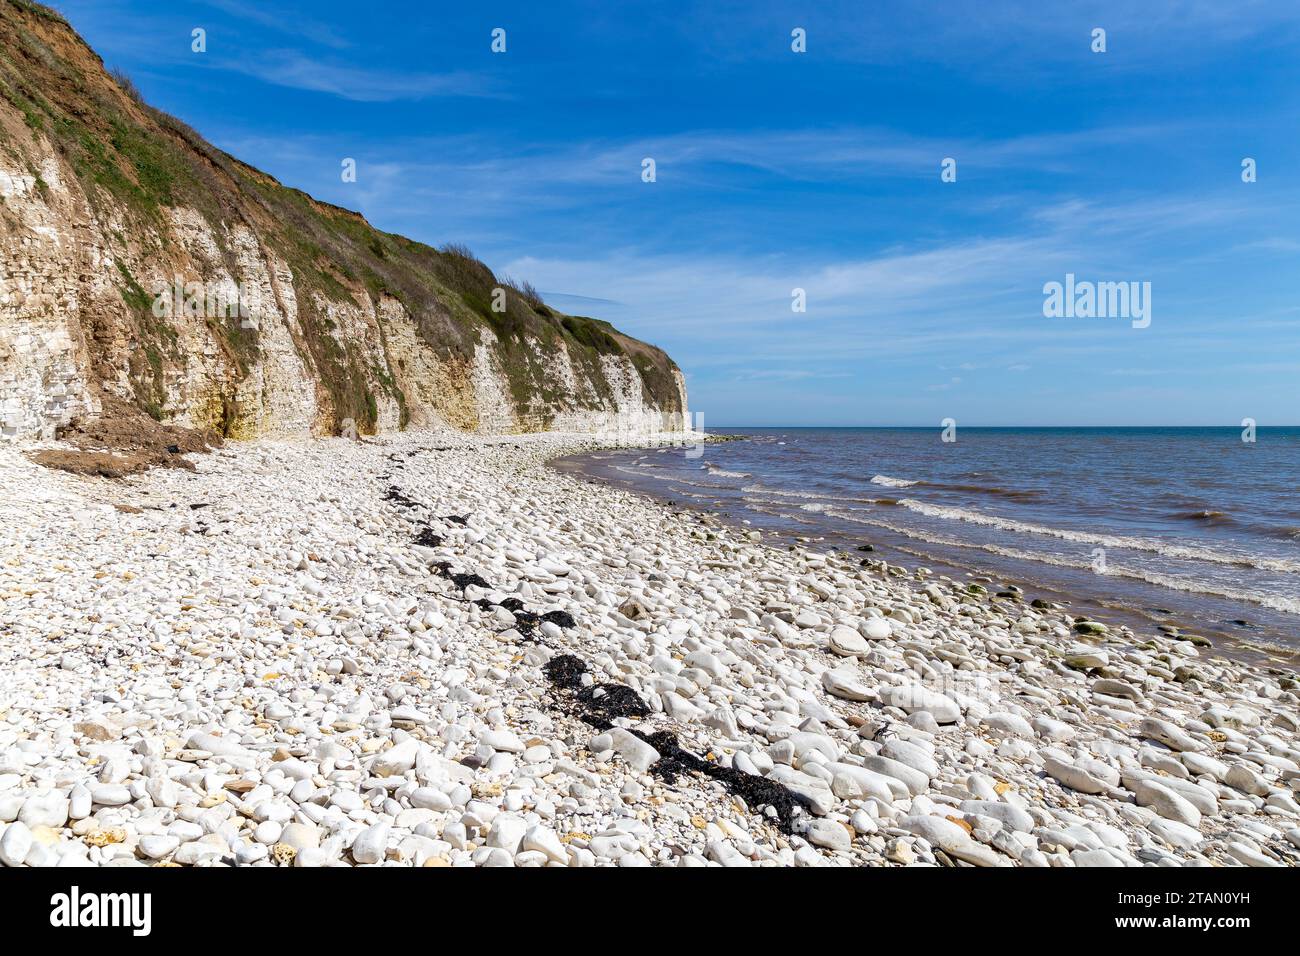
(1277, 602)
(764, 490)
(642, 473)
(784, 515)
(892, 482)
(1102, 540)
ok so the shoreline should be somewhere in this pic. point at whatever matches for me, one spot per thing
(256, 663)
(1233, 643)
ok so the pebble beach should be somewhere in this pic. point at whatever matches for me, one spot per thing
(434, 650)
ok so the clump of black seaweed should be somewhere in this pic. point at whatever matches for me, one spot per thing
(465, 579)
(756, 791)
(427, 539)
(598, 706)
(395, 495)
(565, 671)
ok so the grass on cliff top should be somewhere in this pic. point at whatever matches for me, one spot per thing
(40, 10)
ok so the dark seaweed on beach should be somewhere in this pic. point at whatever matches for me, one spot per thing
(598, 705)
(463, 581)
(395, 495)
(613, 700)
(461, 520)
(526, 622)
(756, 791)
(565, 671)
(618, 700)
(427, 539)
(560, 618)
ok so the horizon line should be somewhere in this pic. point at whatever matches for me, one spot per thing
(940, 426)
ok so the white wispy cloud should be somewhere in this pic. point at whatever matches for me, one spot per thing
(945, 386)
(292, 68)
(297, 25)
(481, 175)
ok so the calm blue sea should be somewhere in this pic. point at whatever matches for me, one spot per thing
(1186, 526)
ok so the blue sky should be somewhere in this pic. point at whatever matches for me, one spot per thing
(778, 170)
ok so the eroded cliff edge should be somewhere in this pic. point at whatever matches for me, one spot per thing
(105, 202)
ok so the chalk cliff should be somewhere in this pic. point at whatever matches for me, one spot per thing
(294, 317)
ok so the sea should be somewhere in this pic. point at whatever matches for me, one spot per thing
(1197, 528)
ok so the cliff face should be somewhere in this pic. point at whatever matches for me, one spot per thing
(138, 262)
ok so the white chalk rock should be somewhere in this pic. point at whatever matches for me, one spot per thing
(848, 643)
(633, 749)
(913, 698)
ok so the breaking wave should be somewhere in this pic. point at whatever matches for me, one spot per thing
(892, 482)
(1277, 602)
(1101, 540)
